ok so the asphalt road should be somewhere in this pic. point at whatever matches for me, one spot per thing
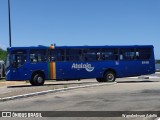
(126, 95)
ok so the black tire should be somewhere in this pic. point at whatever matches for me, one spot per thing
(37, 80)
(32, 82)
(109, 76)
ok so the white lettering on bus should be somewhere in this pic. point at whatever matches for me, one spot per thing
(86, 66)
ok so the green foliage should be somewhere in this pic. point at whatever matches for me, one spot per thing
(3, 54)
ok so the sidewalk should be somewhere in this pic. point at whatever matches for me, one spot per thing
(10, 83)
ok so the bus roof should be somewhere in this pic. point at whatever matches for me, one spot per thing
(85, 46)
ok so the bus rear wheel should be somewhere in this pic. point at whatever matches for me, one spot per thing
(109, 76)
(37, 80)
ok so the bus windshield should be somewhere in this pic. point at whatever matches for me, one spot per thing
(7, 63)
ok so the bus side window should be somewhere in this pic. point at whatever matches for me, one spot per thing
(143, 53)
(56, 55)
(74, 54)
(109, 54)
(52, 55)
(60, 54)
(38, 56)
(121, 57)
(127, 54)
(98, 56)
(137, 55)
(92, 54)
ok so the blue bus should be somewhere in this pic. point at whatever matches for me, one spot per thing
(105, 63)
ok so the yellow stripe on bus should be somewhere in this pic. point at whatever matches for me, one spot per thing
(52, 66)
(53, 70)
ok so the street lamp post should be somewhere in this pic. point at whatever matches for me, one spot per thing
(10, 41)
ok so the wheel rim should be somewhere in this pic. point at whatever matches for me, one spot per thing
(110, 77)
(39, 79)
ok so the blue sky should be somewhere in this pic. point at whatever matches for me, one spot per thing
(81, 22)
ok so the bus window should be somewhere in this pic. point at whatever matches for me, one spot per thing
(127, 54)
(52, 56)
(38, 56)
(121, 57)
(18, 58)
(98, 55)
(109, 54)
(91, 54)
(143, 53)
(56, 55)
(74, 55)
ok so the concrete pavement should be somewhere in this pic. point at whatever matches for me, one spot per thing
(126, 95)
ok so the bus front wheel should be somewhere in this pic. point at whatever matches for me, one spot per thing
(37, 80)
(109, 76)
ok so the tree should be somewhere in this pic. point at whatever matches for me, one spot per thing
(3, 54)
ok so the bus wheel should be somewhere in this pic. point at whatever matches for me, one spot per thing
(32, 82)
(109, 76)
(37, 80)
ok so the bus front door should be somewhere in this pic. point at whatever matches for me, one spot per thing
(19, 67)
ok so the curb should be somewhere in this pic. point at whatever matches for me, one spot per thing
(52, 91)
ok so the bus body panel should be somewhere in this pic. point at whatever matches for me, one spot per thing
(71, 70)
(135, 68)
(78, 70)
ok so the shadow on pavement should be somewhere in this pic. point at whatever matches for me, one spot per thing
(49, 84)
(142, 81)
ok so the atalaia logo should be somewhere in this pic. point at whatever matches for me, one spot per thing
(86, 66)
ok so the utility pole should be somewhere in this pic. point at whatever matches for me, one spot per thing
(10, 41)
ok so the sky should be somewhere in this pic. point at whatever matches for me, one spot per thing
(81, 22)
